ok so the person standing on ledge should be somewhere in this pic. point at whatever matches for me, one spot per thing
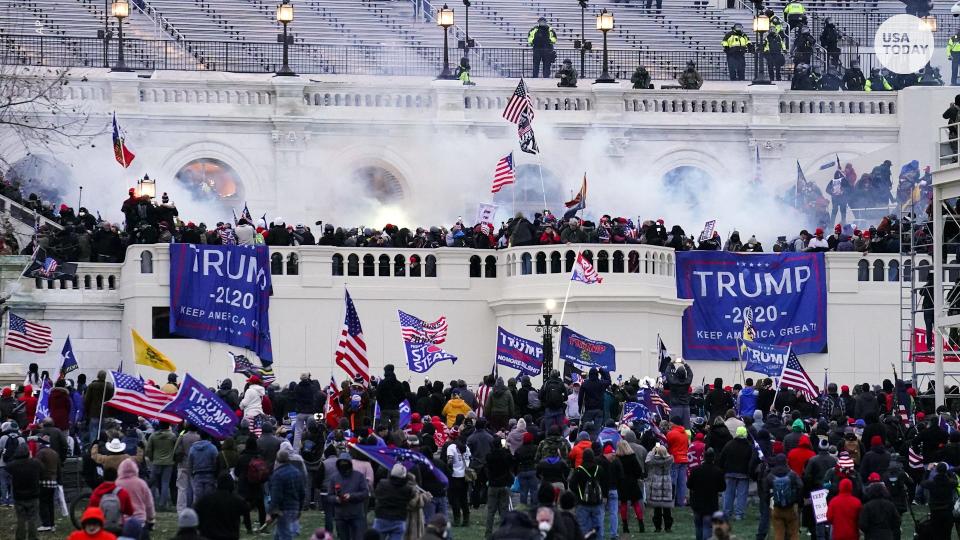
(542, 38)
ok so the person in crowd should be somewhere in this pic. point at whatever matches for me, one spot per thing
(188, 525)
(252, 473)
(567, 74)
(678, 443)
(202, 466)
(589, 483)
(187, 438)
(141, 499)
(785, 489)
(91, 526)
(220, 513)
(689, 78)
(734, 461)
(640, 79)
(878, 82)
(97, 392)
(159, 453)
(843, 513)
(113, 500)
(347, 490)
(542, 38)
(26, 474)
(830, 40)
(736, 45)
(286, 498)
(392, 496)
(706, 482)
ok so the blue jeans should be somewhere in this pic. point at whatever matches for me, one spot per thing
(552, 417)
(735, 497)
(702, 526)
(763, 526)
(351, 528)
(6, 487)
(288, 525)
(678, 476)
(390, 529)
(93, 428)
(203, 485)
(683, 411)
(160, 482)
(613, 510)
(528, 487)
(591, 519)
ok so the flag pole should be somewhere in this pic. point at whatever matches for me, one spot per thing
(566, 297)
(780, 378)
(542, 188)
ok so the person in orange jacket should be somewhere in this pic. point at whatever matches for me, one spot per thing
(678, 443)
(843, 513)
(576, 453)
(91, 527)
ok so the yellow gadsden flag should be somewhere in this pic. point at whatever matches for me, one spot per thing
(145, 354)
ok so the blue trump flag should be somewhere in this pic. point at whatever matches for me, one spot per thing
(196, 404)
(423, 356)
(387, 457)
(585, 353)
(518, 353)
(221, 293)
(786, 294)
(69, 362)
(43, 404)
(763, 358)
(405, 413)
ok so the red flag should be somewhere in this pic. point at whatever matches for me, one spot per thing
(121, 153)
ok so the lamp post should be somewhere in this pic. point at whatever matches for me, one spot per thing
(605, 24)
(285, 17)
(548, 328)
(929, 22)
(761, 25)
(445, 21)
(121, 10)
(582, 43)
(148, 187)
(466, 43)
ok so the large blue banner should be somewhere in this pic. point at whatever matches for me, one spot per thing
(519, 353)
(222, 293)
(586, 353)
(762, 358)
(786, 293)
(196, 404)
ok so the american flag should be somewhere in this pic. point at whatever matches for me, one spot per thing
(904, 417)
(28, 336)
(132, 395)
(659, 402)
(518, 104)
(915, 460)
(584, 271)
(528, 141)
(419, 331)
(505, 174)
(49, 267)
(352, 351)
(246, 367)
(256, 426)
(267, 376)
(795, 377)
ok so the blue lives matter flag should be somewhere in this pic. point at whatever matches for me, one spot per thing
(764, 358)
(222, 293)
(422, 348)
(202, 408)
(518, 353)
(69, 360)
(387, 457)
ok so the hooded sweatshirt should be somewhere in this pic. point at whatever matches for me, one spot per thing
(91, 514)
(798, 457)
(252, 402)
(140, 496)
(843, 513)
(455, 406)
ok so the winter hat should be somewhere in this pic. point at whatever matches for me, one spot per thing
(860, 423)
(607, 450)
(7, 392)
(797, 425)
(741, 432)
(698, 437)
(545, 494)
(876, 441)
(844, 461)
(874, 477)
(398, 471)
(921, 416)
(527, 438)
(187, 519)
(583, 436)
(844, 388)
(567, 500)
(824, 444)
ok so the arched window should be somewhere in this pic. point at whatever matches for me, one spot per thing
(337, 264)
(893, 271)
(556, 266)
(863, 270)
(293, 265)
(99, 283)
(490, 267)
(541, 267)
(353, 265)
(384, 266)
(430, 269)
(111, 283)
(570, 258)
(525, 264)
(475, 266)
(907, 269)
(603, 262)
(399, 266)
(415, 267)
(211, 180)
(369, 266)
(87, 282)
(923, 269)
(633, 262)
(878, 273)
(618, 262)
(146, 262)
(276, 264)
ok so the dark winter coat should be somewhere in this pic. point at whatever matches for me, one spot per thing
(735, 457)
(879, 518)
(392, 496)
(591, 393)
(706, 482)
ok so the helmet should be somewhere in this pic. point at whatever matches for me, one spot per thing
(737, 26)
(542, 21)
(955, 9)
(691, 64)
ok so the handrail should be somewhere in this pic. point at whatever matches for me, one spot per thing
(433, 17)
(165, 23)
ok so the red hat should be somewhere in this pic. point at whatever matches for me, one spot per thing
(63, 206)
(254, 379)
(660, 221)
(912, 392)
(608, 449)
(27, 390)
(727, 388)
(874, 477)
(818, 231)
(921, 416)
(527, 438)
(837, 228)
(415, 417)
(698, 437)
(191, 224)
(876, 441)
(131, 191)
(7, 392)
(866, 234)
(844, 388)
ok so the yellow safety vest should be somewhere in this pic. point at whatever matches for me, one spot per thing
(794, 8)
(735, 40)
(953, 45)
(868, 87)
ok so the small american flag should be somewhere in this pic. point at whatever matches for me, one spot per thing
(795, 377)
(134, 396)
(528, 141)
(256, 426)
(49, 267)
(28, 336)
(352, 350)
(518, 104)
(505, 173)
(659, 402)
(419, 331)
(584, 271)
(914, 459)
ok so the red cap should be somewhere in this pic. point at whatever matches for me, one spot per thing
(131, 191)
(7, 392)
(837, 228)
(27, 390)
(698, 437)
(607, 450)
(876, 441)
(727, 388)
(866, 234)
(63, 206)
(415, 417)
(254, 379)
(921, 416)
(874, 477)
(660, 221)
(527, 438)
(844, 388)
(819, 231)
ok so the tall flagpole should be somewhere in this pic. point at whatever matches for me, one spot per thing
(542, 188)
(566, 297)
(780, 378)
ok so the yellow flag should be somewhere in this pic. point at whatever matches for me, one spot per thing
(145, 354)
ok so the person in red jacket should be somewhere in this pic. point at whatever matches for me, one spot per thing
(678, 444)
(60, 405)
(576, 453)
(107, 486)
(798, 457)
(91, 527)
(29, 402)
(843, 513)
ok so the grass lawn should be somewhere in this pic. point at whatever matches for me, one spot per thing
(682, 529)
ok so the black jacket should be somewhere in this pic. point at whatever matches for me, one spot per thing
(735, 457)
(305, 397)
(705, 484)
(591, 393)
(866, 403)
(499, 467)
(941, 491)
(879, 518)
(392, 495)
(25, 473)
(877, 460)
(390, 392)
(678, 382)
(220, 512)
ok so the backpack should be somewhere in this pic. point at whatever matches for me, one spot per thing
(14, 441)
(591, 495)
(533, 400)
(553, 397)
(257, 471)
(783, 492)
(110, 506)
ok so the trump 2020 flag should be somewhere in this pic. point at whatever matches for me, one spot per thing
(43, 403)
(518, 353)
(584, 271)
(387, 457)
(405, 413)
(69, 362)
(585, 353)
(764, 358)
(202, 408)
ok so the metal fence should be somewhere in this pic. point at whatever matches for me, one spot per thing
(265, 57)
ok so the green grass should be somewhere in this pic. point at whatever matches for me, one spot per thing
(682, 529)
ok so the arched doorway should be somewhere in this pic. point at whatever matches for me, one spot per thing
(379, 183)
(687, 183)
(209, 179)
(527, 196)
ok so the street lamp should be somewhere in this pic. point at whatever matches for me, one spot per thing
(929, 22)
(121, 10)
(605, 24)
(582, 43)
(445, 21)
(761, 25)
(466, 43)
(285, 17)
(548, 328)
(148, 187)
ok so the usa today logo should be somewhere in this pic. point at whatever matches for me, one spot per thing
(903, 44)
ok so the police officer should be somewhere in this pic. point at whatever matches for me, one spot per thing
(877, 82)
(831, 81)
(542, 38)
(803, 47)
(641, 79)
(853, 79)
(690, 79)
(774, 45)
(567, 75)
(735, 43)
(463, 72)
(802, 78)
(953, 55)
(830, 40)
(795, 14)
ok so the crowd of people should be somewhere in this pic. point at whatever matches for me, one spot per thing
(568, 460)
